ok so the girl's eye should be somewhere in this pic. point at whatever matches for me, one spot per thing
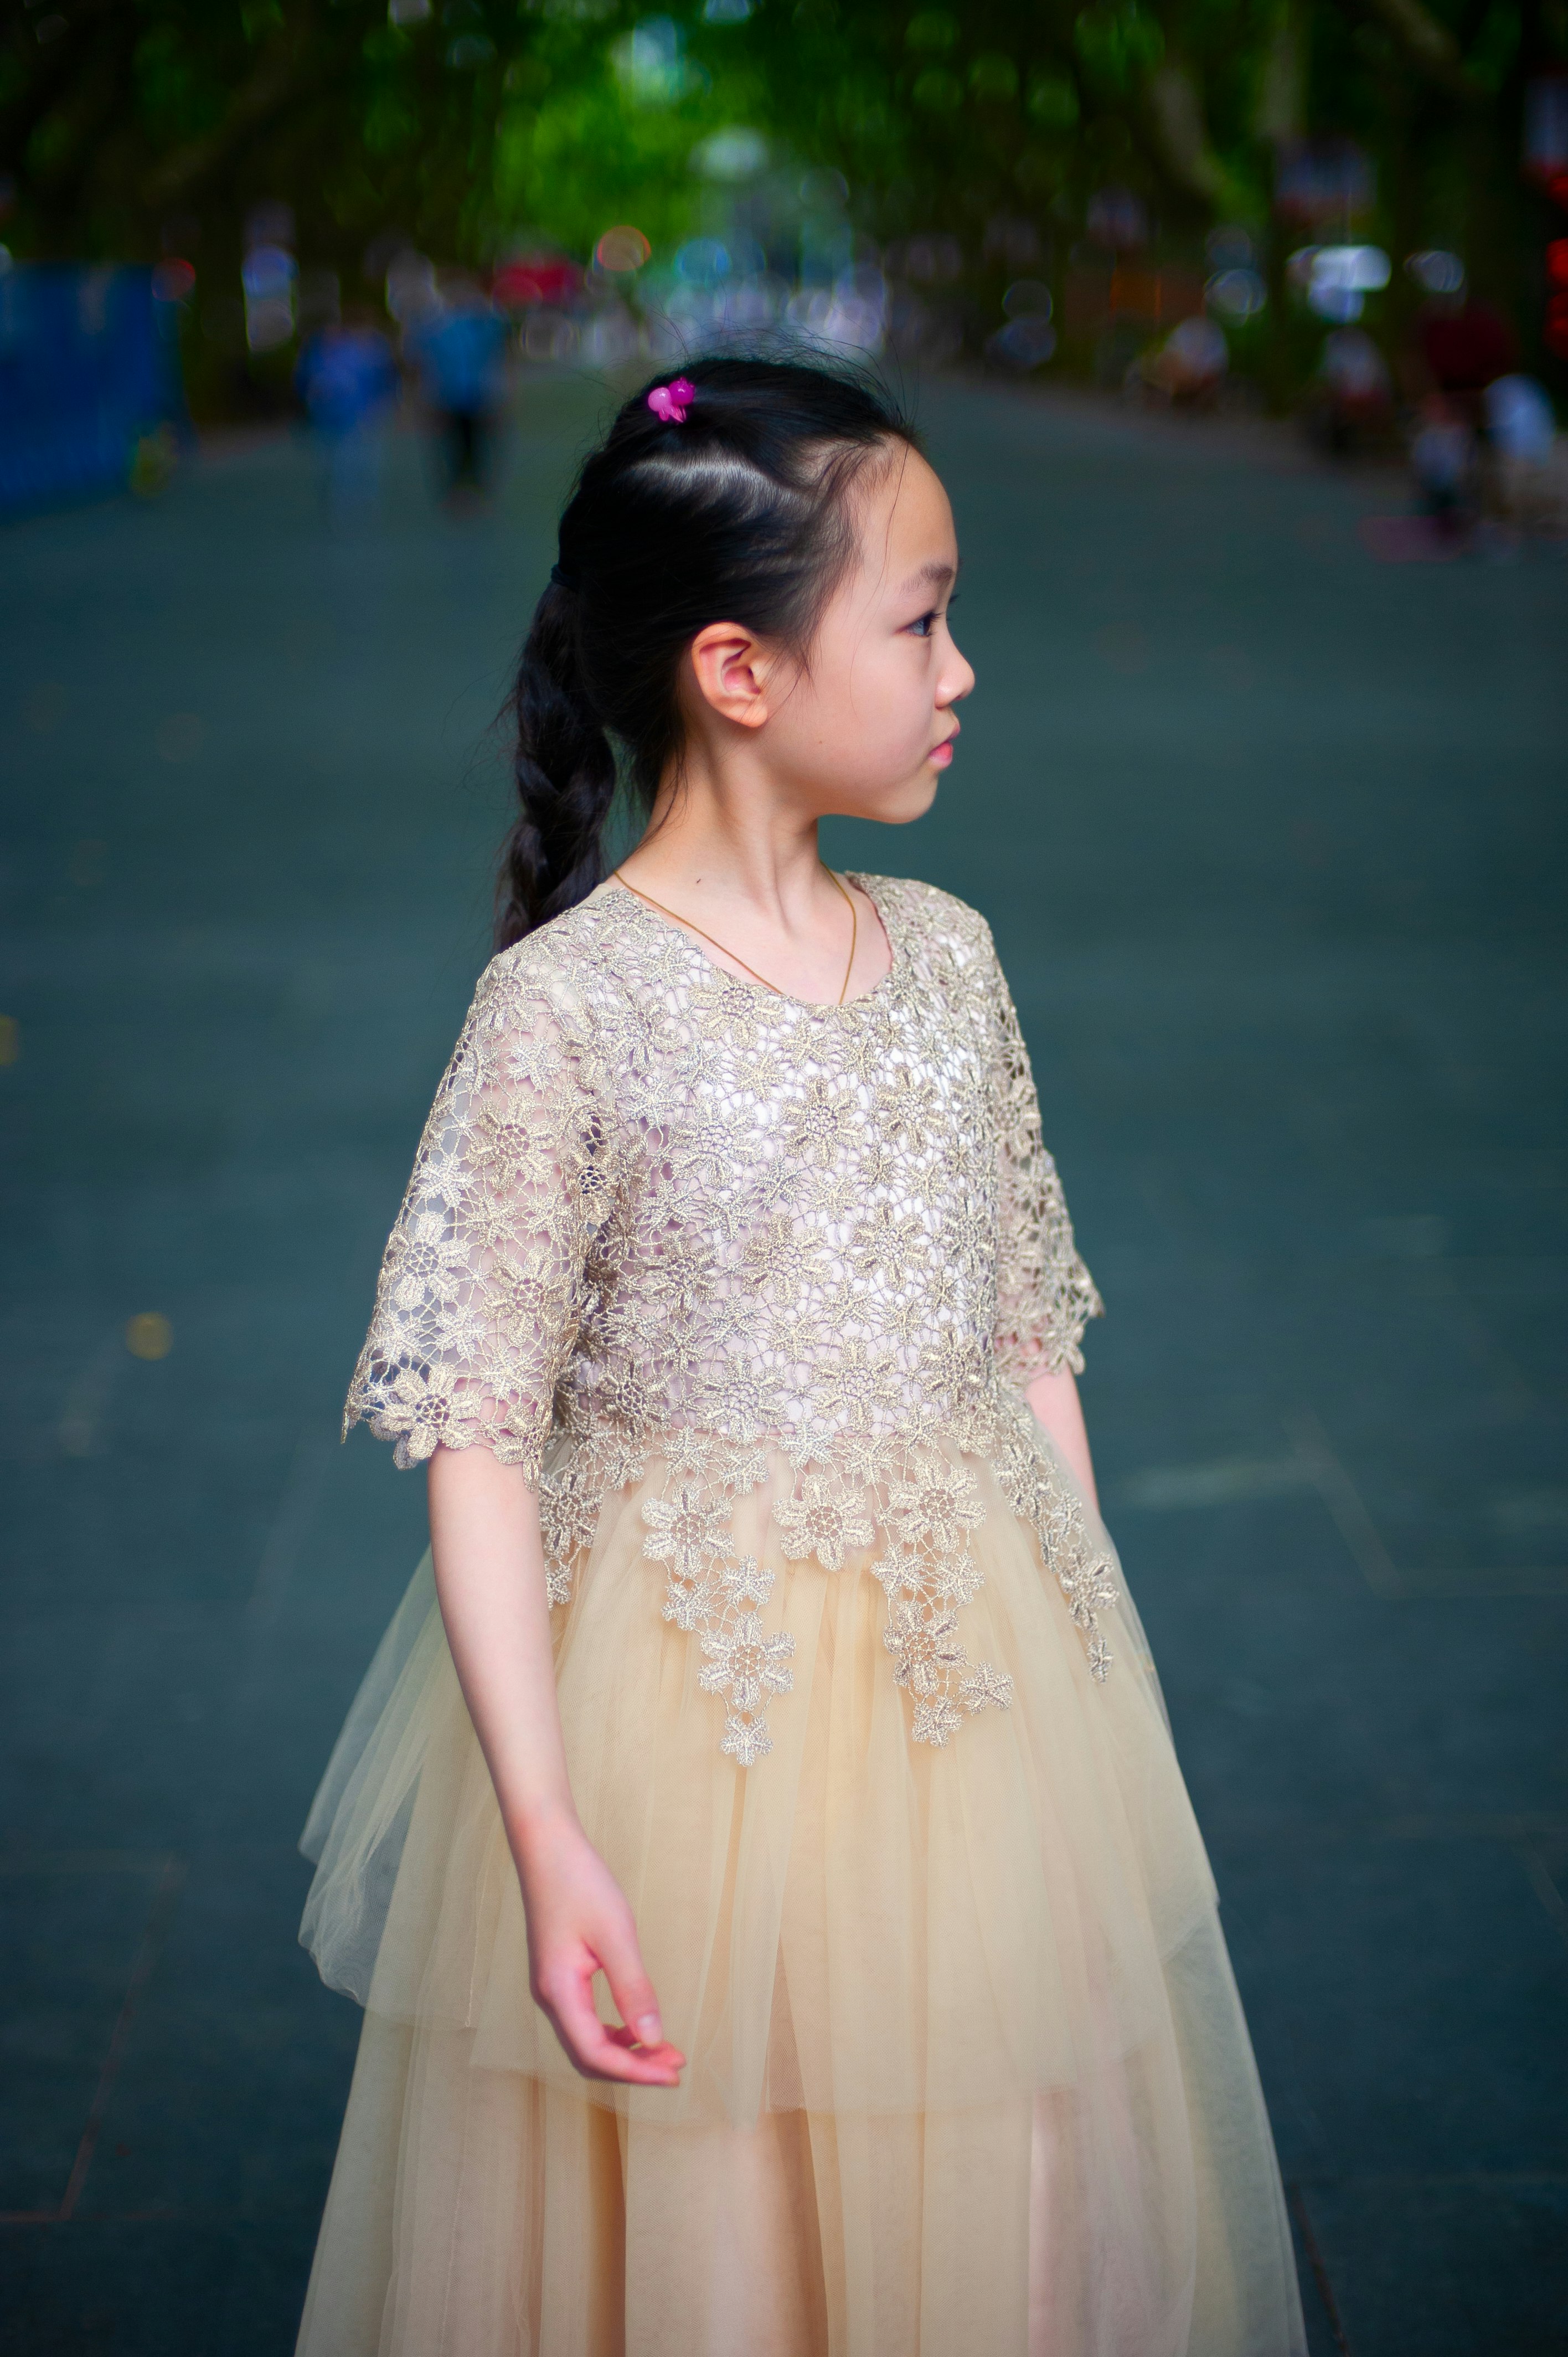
(927, 622)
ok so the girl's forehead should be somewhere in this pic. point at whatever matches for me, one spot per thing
(907, 523)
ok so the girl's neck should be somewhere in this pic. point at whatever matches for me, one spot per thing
(738, 863)
(735, 843)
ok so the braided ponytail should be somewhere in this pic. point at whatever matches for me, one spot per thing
(732, 506)
(564, 772)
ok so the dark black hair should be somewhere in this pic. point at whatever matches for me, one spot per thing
(738, 515)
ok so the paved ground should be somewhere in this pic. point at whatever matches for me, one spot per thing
(1273, 839)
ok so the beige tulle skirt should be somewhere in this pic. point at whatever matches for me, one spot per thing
(968, 2073)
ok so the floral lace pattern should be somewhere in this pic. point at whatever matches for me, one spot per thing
(664, 1221)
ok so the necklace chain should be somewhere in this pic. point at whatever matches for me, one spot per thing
(617, 877)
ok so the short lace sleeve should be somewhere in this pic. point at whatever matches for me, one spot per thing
(1045, 1296)
(481, 1287)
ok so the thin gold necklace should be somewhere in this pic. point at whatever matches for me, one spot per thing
(617, 877)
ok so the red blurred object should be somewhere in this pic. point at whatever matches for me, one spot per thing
(1556, 330)
(535, 278)
(1557, 262)
(1557, 188)
(173, 279)
(1466, 348)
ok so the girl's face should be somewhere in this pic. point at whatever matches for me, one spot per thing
(864, 729)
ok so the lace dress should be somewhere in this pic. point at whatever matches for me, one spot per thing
(855, 1707)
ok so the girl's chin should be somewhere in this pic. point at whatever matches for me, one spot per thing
(917, 797)
(891, 806)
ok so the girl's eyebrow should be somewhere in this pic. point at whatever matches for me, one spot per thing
(934, 574)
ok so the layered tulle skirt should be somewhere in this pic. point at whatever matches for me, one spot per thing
(968, 2076)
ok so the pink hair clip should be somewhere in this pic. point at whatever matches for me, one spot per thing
(671, 402)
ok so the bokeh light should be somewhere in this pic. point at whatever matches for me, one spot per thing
(149, 1335)
(733, 153)
(174, 280)
(1236, 294)
(622, 248)
(1437, 270)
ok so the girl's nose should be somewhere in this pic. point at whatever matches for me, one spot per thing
(956, 679)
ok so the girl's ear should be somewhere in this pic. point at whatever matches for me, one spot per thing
(731, 670)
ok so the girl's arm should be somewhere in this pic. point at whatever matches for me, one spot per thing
(490, 1578)
(1055, 1401)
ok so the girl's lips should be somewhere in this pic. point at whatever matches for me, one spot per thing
(940, 755)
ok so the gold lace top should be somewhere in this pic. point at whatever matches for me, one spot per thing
(666, 1223)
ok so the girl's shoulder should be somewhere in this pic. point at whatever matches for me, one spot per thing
(556, 976)
(933, 921)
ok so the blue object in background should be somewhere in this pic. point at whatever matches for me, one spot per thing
(89, 364)
(459, 353)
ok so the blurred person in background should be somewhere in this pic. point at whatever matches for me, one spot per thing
(1462, 345)
(1350, 401)
(1520, 470)
(1443, 464)
(459, 351)
(1189, 370)
(347, 381)
(755, 1267)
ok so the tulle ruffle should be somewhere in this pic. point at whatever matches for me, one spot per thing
(967, 2068)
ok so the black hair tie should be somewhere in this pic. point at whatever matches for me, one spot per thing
(561, 580)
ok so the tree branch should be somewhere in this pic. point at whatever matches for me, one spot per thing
(1181, 132)
(1428, 45)
(277, 80)
(49, 73)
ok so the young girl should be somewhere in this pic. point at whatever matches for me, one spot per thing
(771, 1661)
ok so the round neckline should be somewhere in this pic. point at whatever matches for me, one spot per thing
(721, 974)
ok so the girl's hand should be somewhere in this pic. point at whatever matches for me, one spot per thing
(579, 1924)
(490, 1577)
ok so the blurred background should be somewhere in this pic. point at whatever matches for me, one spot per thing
(1238, 329)
(1354, 208)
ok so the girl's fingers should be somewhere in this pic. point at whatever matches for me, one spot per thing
(620, 2036)
(600, 2051)
(629, 1985)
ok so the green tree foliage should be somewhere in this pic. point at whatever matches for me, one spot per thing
(130, 125)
